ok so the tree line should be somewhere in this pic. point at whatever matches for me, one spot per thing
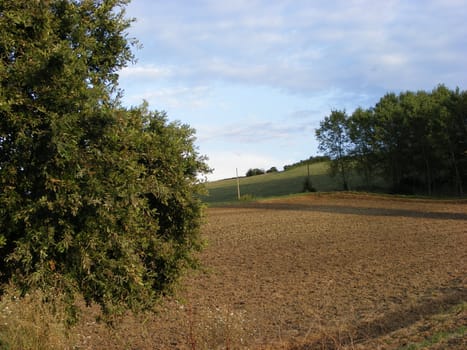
(310, 160)
(416, 141)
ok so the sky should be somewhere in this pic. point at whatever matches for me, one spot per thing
(254, 78)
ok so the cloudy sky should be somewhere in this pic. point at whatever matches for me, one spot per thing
(255, 77)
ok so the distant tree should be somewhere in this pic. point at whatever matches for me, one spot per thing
(422, 122)
(392, 134)
(254, 172)
(272, 170)
(451, 133)
(94, 199)
(311, 160)
(364, 151)
(334, 141)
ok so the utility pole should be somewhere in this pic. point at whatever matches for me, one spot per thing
(238, 184)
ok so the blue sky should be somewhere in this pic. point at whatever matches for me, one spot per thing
(255, 77)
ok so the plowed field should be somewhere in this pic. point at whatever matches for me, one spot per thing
(313, 272)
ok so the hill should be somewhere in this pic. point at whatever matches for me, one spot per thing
(282, 183)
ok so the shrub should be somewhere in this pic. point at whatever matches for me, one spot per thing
(247, 197)
(94, 199)
(272, 170)
(308, 186)
(254, 172)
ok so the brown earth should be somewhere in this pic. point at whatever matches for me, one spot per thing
(315, 272)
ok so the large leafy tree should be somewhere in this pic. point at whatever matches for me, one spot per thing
(392, 135)
(362, 125)
(95, 199)
(451, 135)
(334, 141)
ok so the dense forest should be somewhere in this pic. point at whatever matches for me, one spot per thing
(416, 141)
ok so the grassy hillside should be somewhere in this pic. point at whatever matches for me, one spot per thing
(273, 184)
(282, 183)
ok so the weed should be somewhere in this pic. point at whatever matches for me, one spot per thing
(28, 323)
(247, 197)
(437, 338)
(217, 328)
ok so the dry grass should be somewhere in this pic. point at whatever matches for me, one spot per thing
(30, 324)
(312, 272)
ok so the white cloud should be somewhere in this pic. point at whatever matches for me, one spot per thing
(178, 97)
(392, 60)
(172, 97)
(257, 132)
(303, 46)
(145, 72)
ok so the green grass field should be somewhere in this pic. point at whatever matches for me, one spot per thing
(273, 184)
(282, 183)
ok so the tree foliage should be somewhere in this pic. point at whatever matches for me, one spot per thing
(309, 161)
(416, 140)
(272, 170)
(334, 142)
(254, 172)
(95, 199)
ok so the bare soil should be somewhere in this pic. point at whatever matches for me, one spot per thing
(315, 272)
